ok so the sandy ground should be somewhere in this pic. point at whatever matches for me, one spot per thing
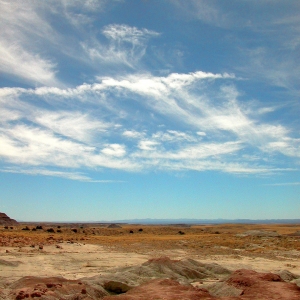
(78, 260)
(73, 261)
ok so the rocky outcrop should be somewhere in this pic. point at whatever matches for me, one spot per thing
(51, 288)
(6, 220)
(248, 284)
(184, 271)
(263, 286)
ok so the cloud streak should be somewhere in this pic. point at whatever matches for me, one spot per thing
(284, 184)
(218, 127)
(77, 176)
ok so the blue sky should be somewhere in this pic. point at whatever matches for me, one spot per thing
(149, 109)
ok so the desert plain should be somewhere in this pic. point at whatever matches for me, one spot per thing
(125, 261)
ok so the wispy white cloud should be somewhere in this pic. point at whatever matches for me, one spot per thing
(133, 134)
(272, 56)
(173, 136)
(287, 146)
(201, 133)
(75, 125)
(80, 12)
(33, 46)
(180, 102)
(256, 17)
(125, 33)
(67, 175)
(16, 61)
(213, 130)
(190, 152)
(114, 150)
(242, 168)
(18, 56)
(33, 146)
(284, 184)
(147, 145)
(126, 45)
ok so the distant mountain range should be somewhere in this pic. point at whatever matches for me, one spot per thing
(208, 221)
(182, 221)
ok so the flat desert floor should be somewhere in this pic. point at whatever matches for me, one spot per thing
(135, 262)
(83, 250)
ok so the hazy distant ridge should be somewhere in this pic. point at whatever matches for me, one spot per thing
(179, 221)
(208, 221)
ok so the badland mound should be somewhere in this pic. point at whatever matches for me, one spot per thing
(158, 278)
(240, 285)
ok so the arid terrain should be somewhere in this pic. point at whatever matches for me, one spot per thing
(122, 261)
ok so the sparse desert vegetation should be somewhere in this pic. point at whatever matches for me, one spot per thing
(264, 240)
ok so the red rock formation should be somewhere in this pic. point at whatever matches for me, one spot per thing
(249, 285)
(6, 220)
(52, 288)
(263, 286)
(163, 289)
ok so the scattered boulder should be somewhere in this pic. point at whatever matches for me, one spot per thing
(74, 230)
(222, 289)
(287, 275)
(116, 287)
(50, 230)
(297, 282)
